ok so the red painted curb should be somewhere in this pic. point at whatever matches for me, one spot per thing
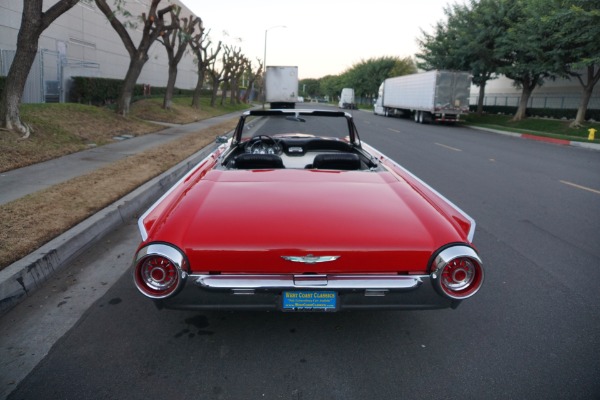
(546, 139)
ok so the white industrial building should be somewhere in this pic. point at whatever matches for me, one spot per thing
(82, 42)
(557, 93)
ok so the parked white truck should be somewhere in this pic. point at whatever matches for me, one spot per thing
(281, 86)
(426, 97)
(347, 99)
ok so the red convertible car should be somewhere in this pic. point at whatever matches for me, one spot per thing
(295, 213)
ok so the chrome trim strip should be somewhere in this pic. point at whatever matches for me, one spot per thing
(310, 259)
(310, 280)
(288, 282)
(163, 250)
(451, 253)
(471, 233)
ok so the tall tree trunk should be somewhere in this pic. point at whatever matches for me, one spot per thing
(168, 99)
(587, 89)
(33, 23)
(481, 98)
(583, 106)
(215, 91)
(247, 92)
(528, 86)
(234, 88)
(27, 45)
(133, 73)
(223, 94)
(197, 90)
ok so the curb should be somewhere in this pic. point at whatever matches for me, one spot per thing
(563, 142)
(28, 274)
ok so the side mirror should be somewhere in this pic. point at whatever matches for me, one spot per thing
(221, 139)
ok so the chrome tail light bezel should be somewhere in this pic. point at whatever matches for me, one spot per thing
(150, 283)
(457, 272)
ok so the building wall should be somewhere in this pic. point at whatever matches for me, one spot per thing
(559, 93)
(82, 42)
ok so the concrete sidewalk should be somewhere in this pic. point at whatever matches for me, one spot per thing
(24, 276)
(23, 181)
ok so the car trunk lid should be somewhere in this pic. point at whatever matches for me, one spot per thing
(305, 221)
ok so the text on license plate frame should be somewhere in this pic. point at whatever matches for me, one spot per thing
(309, 300)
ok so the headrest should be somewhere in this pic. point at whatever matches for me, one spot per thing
(258, 161)
(345, 161)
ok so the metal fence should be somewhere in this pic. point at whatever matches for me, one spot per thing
(554, 102)
(49, 77)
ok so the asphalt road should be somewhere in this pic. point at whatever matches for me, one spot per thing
(532, 332)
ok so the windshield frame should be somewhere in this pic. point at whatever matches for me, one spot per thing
(296, 113)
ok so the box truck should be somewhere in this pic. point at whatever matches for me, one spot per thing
(281, 86)
(347, 99)
(426, 97)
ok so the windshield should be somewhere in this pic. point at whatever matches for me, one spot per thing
(333, 125)
(296, 139)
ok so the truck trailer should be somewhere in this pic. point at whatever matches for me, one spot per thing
(281, 86)
(347, 99)
(426, 97)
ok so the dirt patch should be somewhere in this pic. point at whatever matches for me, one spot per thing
(29, 222)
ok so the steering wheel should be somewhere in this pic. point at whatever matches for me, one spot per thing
(262, 144)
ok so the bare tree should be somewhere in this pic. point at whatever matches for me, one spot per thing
(154, 27)
(228, 65)
(176, 42)
(240, 71)
(216, 76)
(237, 67)
(252, 78)
(200, 48)
(33, 23)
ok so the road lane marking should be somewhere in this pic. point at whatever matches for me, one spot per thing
(581, 187)
(448, 147)
(393, 130)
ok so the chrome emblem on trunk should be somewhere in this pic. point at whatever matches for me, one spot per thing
(310, 259)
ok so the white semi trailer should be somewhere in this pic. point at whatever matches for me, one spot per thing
(426, 97)
(347, 99)
(281, 86)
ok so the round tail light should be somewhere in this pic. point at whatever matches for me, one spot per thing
(457, 272)
(158, 271)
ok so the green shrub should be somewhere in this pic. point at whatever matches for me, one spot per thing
(104, 91)
(555, 113)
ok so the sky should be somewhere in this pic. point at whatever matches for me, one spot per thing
(320, 37)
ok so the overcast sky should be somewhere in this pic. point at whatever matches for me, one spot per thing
(321, 37)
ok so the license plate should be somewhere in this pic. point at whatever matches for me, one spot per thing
(309, 301)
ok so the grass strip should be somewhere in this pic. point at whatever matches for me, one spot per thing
(27, 223)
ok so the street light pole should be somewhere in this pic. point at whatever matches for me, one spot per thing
(265, 62)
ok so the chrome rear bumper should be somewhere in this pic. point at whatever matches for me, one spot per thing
(297, 282)
(264, 292)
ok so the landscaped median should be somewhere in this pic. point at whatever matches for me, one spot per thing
(90, 217)
(42, 231)
(27, 223)
(556, 131)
